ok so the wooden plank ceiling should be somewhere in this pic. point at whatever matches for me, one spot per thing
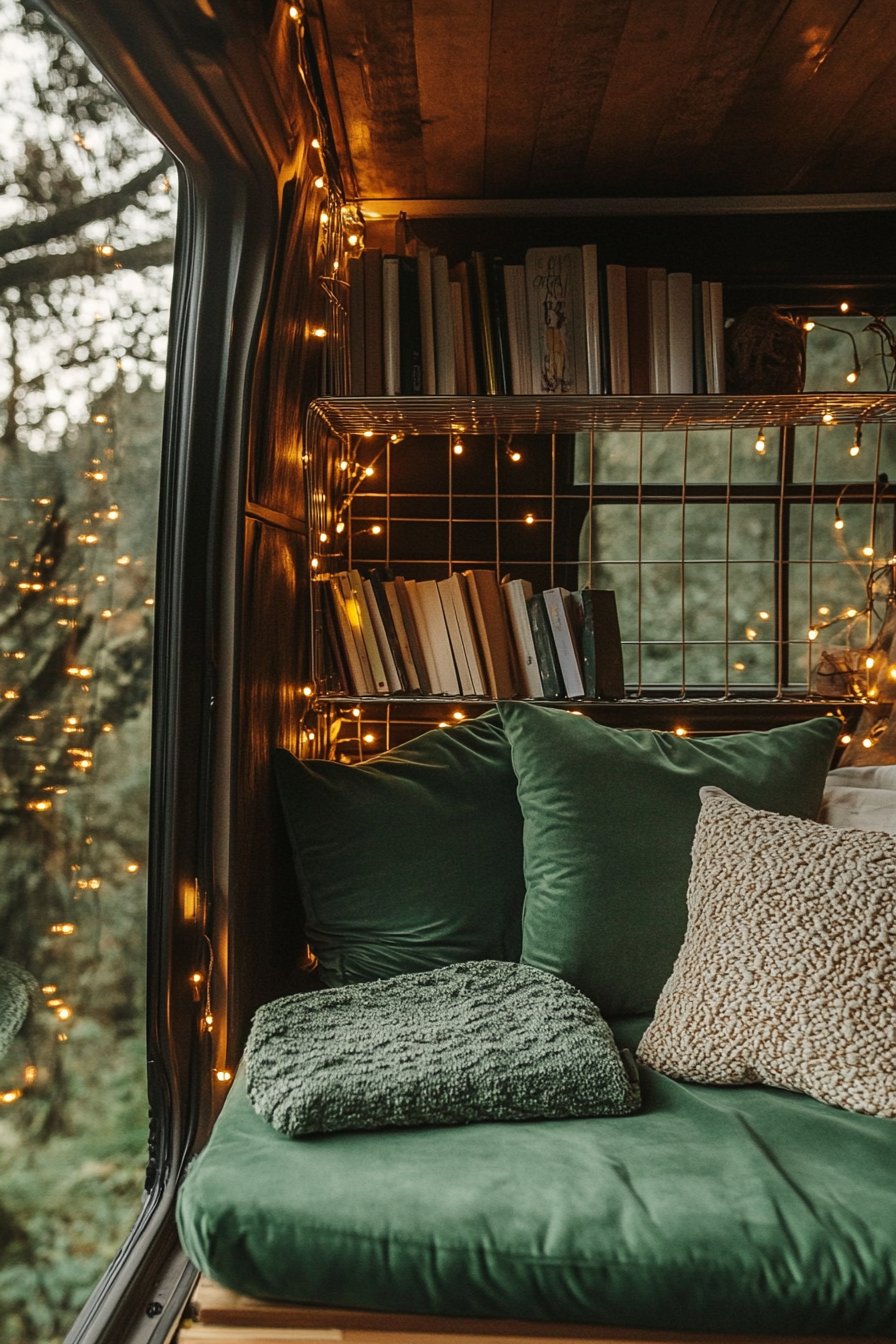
(542, 98)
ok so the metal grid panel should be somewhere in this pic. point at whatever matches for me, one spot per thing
(448, 516)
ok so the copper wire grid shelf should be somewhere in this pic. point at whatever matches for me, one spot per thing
(344, 433)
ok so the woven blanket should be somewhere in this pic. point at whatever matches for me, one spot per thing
(478, 1041)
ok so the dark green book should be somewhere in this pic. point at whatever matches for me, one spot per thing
(410, 336)
(548, 666)
(601, 645)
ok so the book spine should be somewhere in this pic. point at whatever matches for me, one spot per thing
(516, 594)
(491, 618)
(360, 664)
(567, 656)
(335, 654)
(617, 311)
(500, 327)
(373, 322)
(415, 624)
(407, 664)
(575, 288)
(356, 327)
(391, 330)
(602, 646)
(410, 345)
(638, 311)
(475, 383)
(443, 328)
(460, 347)
(446, 597)
(548, 667)
(708, 350)
(659, 331)
(427, 321)
(681, 350)
(591, 292)
(479, 289)
(513, 332)
(717, 311)
(606, 380)
(380, 634)
(697, 341)
(467, 627)
(378, 672)
(434, 620)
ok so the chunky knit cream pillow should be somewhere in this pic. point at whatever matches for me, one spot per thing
(787, 974)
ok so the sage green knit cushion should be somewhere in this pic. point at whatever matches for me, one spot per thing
(483, 1040)
(412, 860)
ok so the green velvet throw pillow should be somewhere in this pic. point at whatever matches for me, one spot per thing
(412, 860)
(610, 818)
(480, 1041)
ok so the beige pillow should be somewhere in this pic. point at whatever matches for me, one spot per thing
(787, 974)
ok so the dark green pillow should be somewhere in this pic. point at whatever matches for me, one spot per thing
(609, 820)
(412, 860)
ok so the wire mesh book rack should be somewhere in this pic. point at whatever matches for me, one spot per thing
(750, 540)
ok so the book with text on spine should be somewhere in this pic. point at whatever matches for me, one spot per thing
(556, 308)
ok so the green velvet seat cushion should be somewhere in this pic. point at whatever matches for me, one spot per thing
(609, 821)
(482, 1040)
(734, 1210)
(412, 860)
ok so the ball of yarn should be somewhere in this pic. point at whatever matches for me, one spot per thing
(764, 352)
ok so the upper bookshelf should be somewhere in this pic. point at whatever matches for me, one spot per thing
(576, 414)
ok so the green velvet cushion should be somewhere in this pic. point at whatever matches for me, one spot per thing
(483, 1040)
(610, 818)
(713, 1209)
(412, 860)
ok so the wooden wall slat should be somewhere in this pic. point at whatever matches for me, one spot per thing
(585, 43)
(518, 74)
(452, 51)
(730, 45)
(814, 72)
(659, 41)
(375, 65)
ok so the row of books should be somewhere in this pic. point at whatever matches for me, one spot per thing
(470, 635)
(558, 324)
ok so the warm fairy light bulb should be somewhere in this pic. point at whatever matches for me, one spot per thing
(869, 662)
(222, 1075)
(320, 332)
(368, 737)
(851, 611)
(315, 143)
(529, 518)
(343, 465)
(739, 667)
(851, 376)
(838, 523)
(324, 217)
(867, 550)
(444, 724)
(855, 450)
(100, 419)
(368, 471)
(457, 447)
(376, 529)
(844, 307)
(293, 12)
(681, 732)
(846, 739)
(458, 715)
(308, 690)
(9, 1097)
(196, 978)
(63, 1014)
(809, 326)
(368, 434)
(314, 563)
(827, 417)
(763, 615)
(319, 182)
(813, 633)
(356, 713)
(760, 443)
(353, 240)
(64, 929)
(750, 633)
(324, 538)
(209, 1021)
(340, 528)
(516, 457)
(866, 742)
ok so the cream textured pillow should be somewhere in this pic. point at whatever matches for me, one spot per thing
(787, 974)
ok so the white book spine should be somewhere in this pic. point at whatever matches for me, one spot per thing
(555, 307)
(519, 362)
(555, 600)
(592, 316)
(379, 630)
(466, 625)
(617, 320)
(681, 333)
(658, 296)
(434, 618)
(460, 346)
(427, 327)
(718, 334)
(515, 595)
(429, 658)
(401, 635)
(707, 336)
(443, 327)
(446, 596)
(391, 336)
(378, 672)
